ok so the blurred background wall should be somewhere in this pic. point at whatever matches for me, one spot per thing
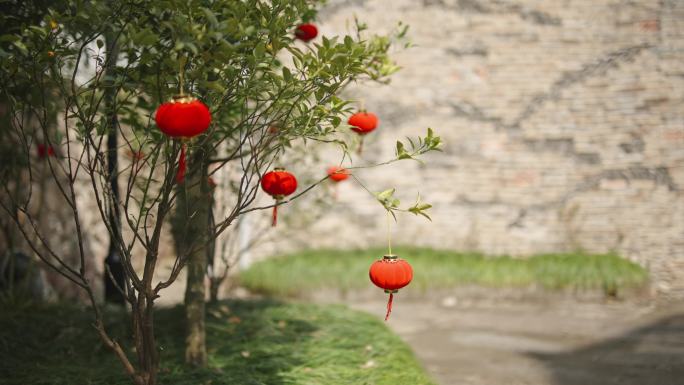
(563, 124)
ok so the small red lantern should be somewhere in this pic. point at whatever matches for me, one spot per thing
(182, 118)
(363, 122)
(306, 32)
(44, 150)
(390, 273)
(338, 174)
(278, 184)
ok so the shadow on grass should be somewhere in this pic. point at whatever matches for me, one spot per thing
(249, 343)
(651, 355)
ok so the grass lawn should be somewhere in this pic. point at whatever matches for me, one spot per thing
(437, 269)
(250, 343)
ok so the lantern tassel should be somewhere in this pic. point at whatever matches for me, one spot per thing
(182, 166)
(275, 215)
(389, 306)
(360, 150)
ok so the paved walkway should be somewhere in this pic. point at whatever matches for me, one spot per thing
(541, 343)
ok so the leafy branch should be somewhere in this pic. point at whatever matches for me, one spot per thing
(422, 146)
(391, 204)
(416, 148)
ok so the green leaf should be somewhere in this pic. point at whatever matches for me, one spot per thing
(21, 46)
(146, 37)
(287, 75)
(385, 194)
(9, 38)
(211, 18)
(259, 50)
(192, 47)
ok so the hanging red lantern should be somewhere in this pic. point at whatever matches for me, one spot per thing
(278, 184)
(338, 174)
(363, 122)
(306, 32)
(182, 118)
(44, 150)
(391, 274)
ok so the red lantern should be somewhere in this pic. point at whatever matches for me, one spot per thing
(278, 184)
(306, 32)
(182, 118)
(363, 122)
(44, 150)
(338, 174)
(390, 273)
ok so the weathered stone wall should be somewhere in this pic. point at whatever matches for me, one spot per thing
(563, 123)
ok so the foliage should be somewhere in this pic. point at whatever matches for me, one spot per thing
(434, 269)
(262, 342)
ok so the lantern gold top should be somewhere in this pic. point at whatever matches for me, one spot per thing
(390, 257)
(182, 99)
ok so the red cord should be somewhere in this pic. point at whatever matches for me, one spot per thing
(275, 215)
(389, 306)
(182, 167)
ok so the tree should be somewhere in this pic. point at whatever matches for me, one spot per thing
(239, 57)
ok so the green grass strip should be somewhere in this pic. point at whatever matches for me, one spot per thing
(438, 269)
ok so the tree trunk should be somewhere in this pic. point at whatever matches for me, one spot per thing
(145, 342)
(214, 285)
(190, 232)
(195, 339)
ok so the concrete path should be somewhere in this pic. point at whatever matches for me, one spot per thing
(541, 343)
